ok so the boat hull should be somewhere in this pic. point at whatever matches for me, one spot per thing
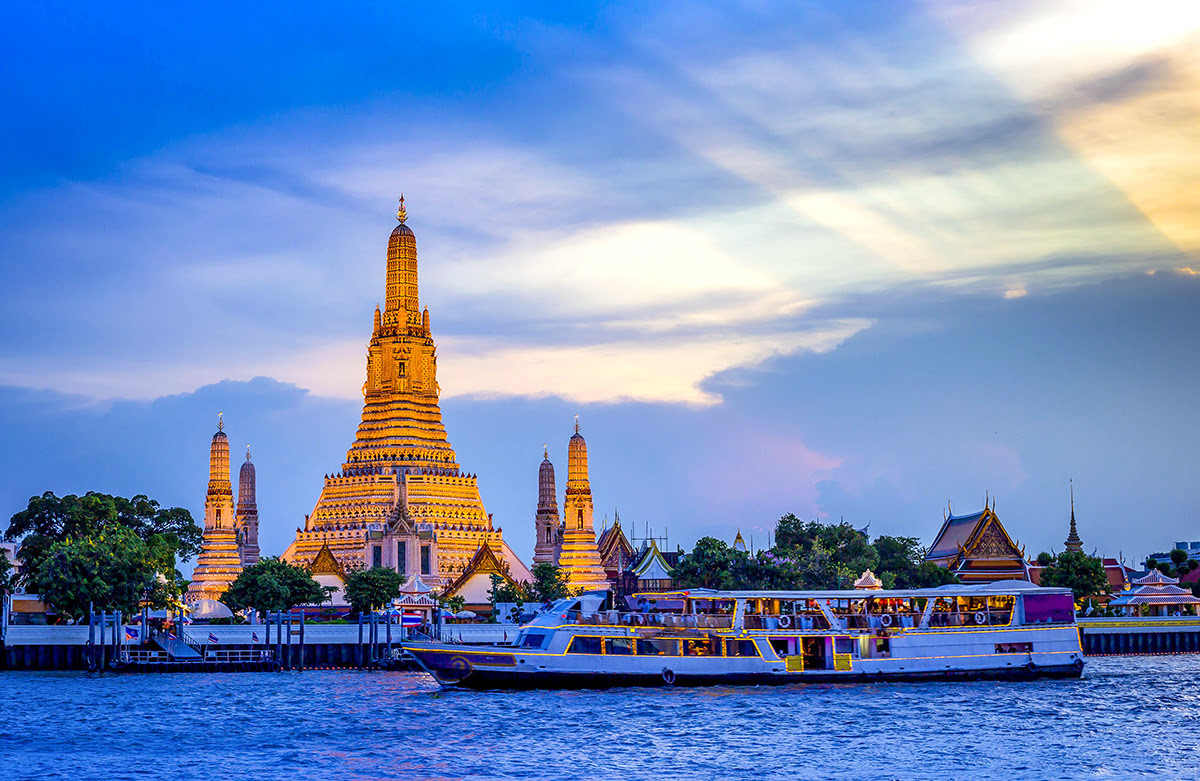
(496, 668)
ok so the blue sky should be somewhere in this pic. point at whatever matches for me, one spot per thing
(840, 261)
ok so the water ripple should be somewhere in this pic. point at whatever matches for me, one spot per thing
(1127, 718)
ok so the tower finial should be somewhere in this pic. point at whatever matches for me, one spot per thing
(546, 450)
(401, 214)
(1072, 482)
(247, 451)
(576, 424)
(220, 421)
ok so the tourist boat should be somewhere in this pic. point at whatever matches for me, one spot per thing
(1010, 629)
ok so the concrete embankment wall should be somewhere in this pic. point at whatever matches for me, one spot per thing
(325, 645)
(1113, 636)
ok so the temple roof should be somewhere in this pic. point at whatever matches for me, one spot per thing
(613, 542)
(651, 565)
(1155, 578)
(868, 581)
(325, 563)
(955, 533)
(484, 562)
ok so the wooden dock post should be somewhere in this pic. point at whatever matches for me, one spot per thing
(301, 642)
(358, 649)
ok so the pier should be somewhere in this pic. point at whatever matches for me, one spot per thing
(1145, 635)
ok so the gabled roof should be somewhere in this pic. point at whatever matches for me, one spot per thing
(613, 546)
(484, 562)
(651, 565)
(325, 563)
(1155, 578)
(868, 581)
(956, 533)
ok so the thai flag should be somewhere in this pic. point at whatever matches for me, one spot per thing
(410, 619)
(131, 635)
(212, 639)
(254, 637)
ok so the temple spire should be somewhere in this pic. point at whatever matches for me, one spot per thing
(1073, 543)
(401, 213)
(220, 421)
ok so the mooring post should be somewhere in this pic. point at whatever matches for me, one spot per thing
(91, 646)
(289, 641)
(279, 639)
(103, 640)
(358, 651)
(119, 637)
(301, 642)
(389, 639)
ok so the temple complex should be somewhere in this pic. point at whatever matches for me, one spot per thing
(400, 499)
(977, 548)
(247, 514)
(574, 537)
(218, 564)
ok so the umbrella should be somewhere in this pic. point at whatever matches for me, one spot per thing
(464, 614)
(446, 613)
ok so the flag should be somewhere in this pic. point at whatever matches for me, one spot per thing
(212, 639)
(131, 635)
(410, 619)
(254, 637)
(171, 635)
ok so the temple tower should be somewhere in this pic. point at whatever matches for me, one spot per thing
(545, 549)
(247, 514)
(1073, 543)
(400, 499)
(218, 564)
(579, 557)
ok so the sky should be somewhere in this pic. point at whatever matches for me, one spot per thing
(852, 261)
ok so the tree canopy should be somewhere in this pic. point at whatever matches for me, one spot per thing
(272, 585)
(1076, 570)
(810, 555)
(114, 569)
(49, 519)
(371, 589)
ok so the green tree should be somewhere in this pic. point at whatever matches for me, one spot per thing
(49, 519)
(455, 604)
(1081, 573)
(8, 579)
(272, 585)
(1178, 557)
(1044, 559)
(371, 589)
(710, 565)
(549, 583)
(113, 569)
(927, 574)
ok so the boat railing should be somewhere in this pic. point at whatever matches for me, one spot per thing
(787, 622)
(223, 655)
(654, 619)
(941, 619)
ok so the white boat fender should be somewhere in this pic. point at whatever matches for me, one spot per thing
(668, 676)
(785, 622)
(980, 617)
(886, 619)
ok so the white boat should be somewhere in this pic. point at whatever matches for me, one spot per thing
(1010, 629)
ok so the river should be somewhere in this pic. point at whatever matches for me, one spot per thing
(1128, 717)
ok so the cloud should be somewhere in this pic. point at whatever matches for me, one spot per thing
(1016, 292)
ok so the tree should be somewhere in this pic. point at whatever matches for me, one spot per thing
(7, 577)
(1178, 557)
(1076, 570)
(49, 519)
(549, 583)
(709, 565)
(371, 589)
(927, 574)
(114, 570)
(1044, 559)
(272, 585)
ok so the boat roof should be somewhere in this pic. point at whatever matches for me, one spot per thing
(999, 588)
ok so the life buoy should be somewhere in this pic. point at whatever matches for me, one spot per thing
(785, 622)
(668, 676)
(980, 617)
(886, 619)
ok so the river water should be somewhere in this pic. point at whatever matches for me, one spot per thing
(1128, 717)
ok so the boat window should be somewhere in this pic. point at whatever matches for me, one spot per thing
(843, 645)
(581, 644)
(702, 646)
(618, 646)
(740, 648)
(534, 640)
(657, 647)
(1014, 648)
